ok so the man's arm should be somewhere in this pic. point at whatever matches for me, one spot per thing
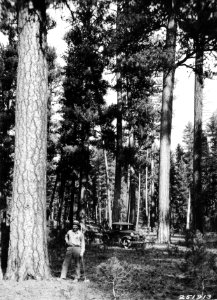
(67, 238)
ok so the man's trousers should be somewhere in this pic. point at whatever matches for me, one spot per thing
(73, 252)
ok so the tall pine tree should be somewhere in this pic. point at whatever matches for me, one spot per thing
(28, 255)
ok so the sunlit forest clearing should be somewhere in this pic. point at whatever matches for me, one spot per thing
(89, 169)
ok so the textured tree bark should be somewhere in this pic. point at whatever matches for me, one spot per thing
(165, 138)
(116, 210)
(28, 255)
(197, 152)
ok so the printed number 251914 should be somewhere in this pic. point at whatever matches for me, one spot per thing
(194, 297)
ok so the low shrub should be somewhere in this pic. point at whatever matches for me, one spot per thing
(200, 266)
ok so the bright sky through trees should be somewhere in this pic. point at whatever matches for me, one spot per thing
(183, 107)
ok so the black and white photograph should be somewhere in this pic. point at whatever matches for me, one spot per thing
(108, 149)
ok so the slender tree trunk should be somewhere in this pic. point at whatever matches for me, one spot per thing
(152, 202)
(61, 198)
(52, 197)
(108, 190)
(65, 210)
(128, 193)
(80, 192)
(116, 211)
(94, 198)
(98, 210)
(197, 152)
(146, 191)
(138, 204)
(100, 213)
(165, 138)
(96, 213)
(28, 255)
(3, 235)
(132, 198)
(1, 273)
(188, 211)
(83, 181)
(71, 212)
(132, 194)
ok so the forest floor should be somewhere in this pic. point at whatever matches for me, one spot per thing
(155, 272)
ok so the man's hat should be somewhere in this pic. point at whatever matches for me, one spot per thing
(76, 223)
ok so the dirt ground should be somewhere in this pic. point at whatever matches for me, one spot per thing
(156, 274)
(48, 290)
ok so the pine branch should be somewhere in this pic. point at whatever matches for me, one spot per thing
(182, 61)
(70, 10)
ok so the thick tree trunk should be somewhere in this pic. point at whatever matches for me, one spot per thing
(197, 172)
(28, 255)
(116, 211)
(165, 139)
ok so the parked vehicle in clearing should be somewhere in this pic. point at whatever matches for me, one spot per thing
(93, 233)
(123, 234)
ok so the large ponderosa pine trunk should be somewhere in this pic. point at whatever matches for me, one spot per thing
(197, 152)
(165, 138)
(116, 210)
(28, 255)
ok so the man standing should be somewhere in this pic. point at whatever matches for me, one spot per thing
(76, 247)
